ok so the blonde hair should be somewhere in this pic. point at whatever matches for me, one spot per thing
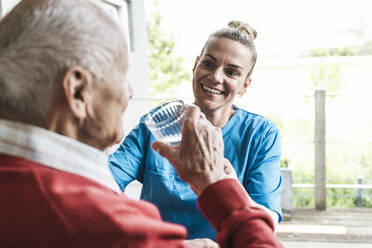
(240, 32)
(244, 28)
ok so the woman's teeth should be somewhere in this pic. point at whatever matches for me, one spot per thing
(214, 91)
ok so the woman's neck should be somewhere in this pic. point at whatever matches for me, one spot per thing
(219, 117)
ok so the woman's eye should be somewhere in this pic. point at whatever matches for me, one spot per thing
(207, 64)
(232, 73)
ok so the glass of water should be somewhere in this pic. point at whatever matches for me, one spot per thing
(165, 123)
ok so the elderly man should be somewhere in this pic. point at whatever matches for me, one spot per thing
(63, 67)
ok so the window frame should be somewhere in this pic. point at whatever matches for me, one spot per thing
(125, 16)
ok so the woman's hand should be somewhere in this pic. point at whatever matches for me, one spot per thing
(199, 159)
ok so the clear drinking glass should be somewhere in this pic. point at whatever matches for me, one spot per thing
(165, 123)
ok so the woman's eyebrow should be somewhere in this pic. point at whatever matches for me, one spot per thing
(210, 55)
(236, 66)
(232, 65)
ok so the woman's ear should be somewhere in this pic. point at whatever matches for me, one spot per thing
(195, 63)
(75, 84)
(245, 85)
(247, 82)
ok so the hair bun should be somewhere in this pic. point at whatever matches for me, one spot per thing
(244, 27)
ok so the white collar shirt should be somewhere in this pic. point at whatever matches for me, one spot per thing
(55, 151)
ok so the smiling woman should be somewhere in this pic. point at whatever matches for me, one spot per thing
(220, 74)
(251, 142)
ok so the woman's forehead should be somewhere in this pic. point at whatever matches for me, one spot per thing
(224, 48)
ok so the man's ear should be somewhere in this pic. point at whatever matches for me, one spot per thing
(75, 84)
(195, 63)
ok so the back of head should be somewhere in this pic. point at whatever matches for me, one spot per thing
(40, 40)
(240, 32)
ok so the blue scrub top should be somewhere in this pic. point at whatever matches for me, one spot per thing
(252, 145)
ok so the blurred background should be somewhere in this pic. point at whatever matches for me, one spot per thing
(302, 46)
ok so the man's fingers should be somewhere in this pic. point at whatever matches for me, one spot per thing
(191, 119)
(165, 150)
(229, 169)
(227, 166)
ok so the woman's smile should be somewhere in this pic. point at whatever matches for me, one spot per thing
(210, 90)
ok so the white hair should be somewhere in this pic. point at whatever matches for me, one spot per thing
(40, 40)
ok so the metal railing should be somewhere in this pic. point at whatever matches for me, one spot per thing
(320, 184)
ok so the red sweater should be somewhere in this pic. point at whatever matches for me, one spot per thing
(45, 207)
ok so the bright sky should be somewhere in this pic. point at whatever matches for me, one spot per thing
(284, 26)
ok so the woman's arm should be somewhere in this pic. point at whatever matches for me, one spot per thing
(264, 182)
(128, 161)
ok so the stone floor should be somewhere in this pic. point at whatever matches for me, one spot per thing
(327, 229)
(309, 244)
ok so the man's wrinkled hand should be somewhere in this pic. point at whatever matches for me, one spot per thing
(229, 170)
(199, 159)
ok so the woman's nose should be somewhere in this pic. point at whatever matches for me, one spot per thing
(218, 75)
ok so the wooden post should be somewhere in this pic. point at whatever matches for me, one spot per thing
(286, 201)
(320, 154)
(360, 196)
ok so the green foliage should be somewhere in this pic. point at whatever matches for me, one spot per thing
(336, 198)
(326, 75)
(367, 200)
(346, 162)
(363, 50)
(284, 162)
(339, 171)
(166, 69)
(303, 198)
(366, 49)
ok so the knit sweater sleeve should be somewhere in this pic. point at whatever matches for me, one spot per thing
(237, 222)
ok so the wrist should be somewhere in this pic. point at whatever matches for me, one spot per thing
(200, 184)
